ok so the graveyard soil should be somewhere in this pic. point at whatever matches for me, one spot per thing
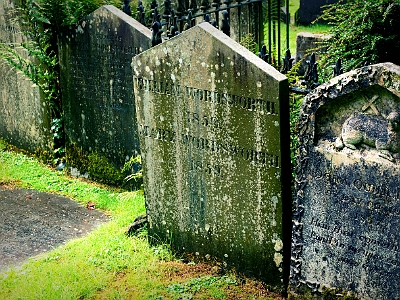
(33, 222)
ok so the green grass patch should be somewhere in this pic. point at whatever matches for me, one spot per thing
(107, 264)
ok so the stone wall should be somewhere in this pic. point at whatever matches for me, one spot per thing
(25, 118)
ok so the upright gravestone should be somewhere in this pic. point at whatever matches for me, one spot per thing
(25, 118)
(310, 10)
(347, 198)
(96, 82)
(213, 128)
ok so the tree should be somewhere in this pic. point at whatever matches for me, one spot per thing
(363, 32)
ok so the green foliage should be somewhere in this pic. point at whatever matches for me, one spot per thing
(248, 41)
(363, 32)
(103, 171)
(188, 289)
(96, 164)
(130, 166)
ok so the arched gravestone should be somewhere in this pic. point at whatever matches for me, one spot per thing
(347, 197)
(25, 117)
(96, 82)
(213, 128)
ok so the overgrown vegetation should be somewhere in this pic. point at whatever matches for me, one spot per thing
(107, 264)
(41, 21)
(363, 32)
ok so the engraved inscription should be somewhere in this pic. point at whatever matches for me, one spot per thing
(240, 102)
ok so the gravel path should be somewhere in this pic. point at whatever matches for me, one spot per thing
(32, 222)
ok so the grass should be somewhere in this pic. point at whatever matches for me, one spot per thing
(107, 264)
(295, 29)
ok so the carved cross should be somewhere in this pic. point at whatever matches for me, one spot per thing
(371, 104)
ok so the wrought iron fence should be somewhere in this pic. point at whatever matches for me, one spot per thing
(236, 18)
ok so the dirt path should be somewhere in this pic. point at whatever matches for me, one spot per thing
(32, 223)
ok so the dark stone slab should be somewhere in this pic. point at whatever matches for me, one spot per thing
(25, 118)
(347, 208)
(213, 131)
(96, 79)
(310, 10)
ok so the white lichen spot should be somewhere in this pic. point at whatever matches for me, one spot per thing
(209, 80)
(157, 61)
(139, 63)
(212, 75)
(274, 199)
(165, 50)
(207, 227)
(276, 123)
(259, 84)
(222, 65)
(238, 73)
(278, 245)
(180, 60)
(147, 69)
(232, 63)
(83, 116)
(203, 64)
(216, 67)
(161, 118)
(127, 158)
(173, 77)
(225, 255)
(163, 222)
(278, 258)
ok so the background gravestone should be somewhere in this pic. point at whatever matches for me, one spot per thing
(25, 119)
(96, 82)
(213, 128)
(307, 43)
(310, 10)
(347, 201)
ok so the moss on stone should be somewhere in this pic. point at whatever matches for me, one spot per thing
(305, 293)
(97, 165)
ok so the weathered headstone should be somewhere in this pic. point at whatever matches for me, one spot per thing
(310, 10)
(347, 197)
(96, 82)
(25, 118)
(307, 43)
(213, 128)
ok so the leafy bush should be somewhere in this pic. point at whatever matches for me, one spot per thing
(363, 32)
